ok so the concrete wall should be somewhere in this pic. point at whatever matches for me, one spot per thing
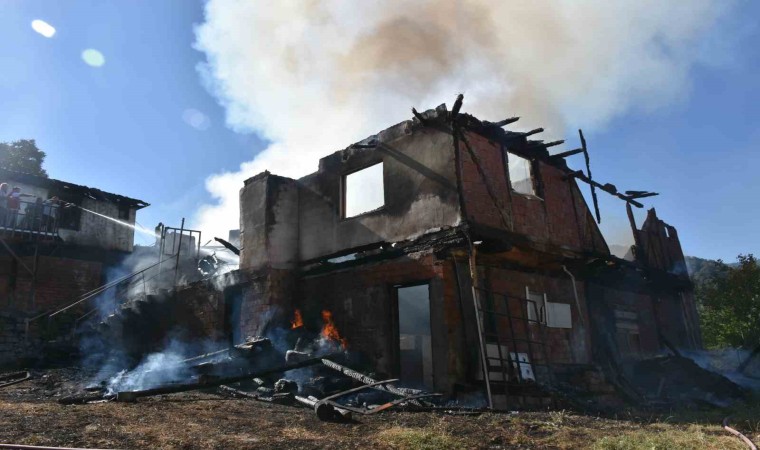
(364, 307)
(269, 222)
(94, 230)
(420, 193)
(100, 232)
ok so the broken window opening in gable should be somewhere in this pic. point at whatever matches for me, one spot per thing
(363, 191)
(521, 175)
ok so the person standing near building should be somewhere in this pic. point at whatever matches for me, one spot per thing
(14, 205)
(50, 213)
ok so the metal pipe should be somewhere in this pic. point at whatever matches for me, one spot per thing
(179, 249)
(575, 294)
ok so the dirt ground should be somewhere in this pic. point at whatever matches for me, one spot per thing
(29, 414)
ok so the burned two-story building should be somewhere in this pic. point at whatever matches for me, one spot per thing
(444, 244)
(59, 240)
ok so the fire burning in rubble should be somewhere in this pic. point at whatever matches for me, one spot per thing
(297, 320)
(330, 331)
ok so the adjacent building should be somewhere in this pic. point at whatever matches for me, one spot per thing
(59, 240)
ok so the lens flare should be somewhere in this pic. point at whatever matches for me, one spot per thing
(196, 119)
(93, 58)
(43, 28)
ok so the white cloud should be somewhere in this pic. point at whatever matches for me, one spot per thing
(313, 77)
(43, 28)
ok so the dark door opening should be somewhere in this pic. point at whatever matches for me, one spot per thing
(415, 346)
(233, 297)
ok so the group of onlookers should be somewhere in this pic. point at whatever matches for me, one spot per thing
(37, 215)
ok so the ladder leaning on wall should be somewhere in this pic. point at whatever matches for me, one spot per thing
(518, 372)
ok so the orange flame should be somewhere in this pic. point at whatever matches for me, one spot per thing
(330, 331)
(297, 320)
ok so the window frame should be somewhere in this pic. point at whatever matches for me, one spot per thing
(535, 181)
(344, 192)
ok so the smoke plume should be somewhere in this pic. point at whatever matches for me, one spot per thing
(314, 76)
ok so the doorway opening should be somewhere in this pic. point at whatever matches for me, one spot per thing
(415, 344)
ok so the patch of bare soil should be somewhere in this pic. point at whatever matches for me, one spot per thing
(30, 415)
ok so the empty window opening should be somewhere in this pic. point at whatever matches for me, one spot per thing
(627, 332)
(124, 212)
(363, 191)
(520, 174)
(551, 314)
(536, 306)
(415, 345)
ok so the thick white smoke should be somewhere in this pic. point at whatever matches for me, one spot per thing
(315, 76)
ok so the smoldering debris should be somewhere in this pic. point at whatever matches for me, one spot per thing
(675, 379)
(255, 369)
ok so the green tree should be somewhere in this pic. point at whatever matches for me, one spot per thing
(22, 156)
(729, 305)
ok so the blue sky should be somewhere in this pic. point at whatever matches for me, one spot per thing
(120, 126)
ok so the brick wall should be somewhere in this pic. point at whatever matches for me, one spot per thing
(13, 345)
(560, 217)
(59, 282)
(362, 301)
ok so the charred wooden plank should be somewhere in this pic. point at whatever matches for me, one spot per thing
(184, 387)
(360, 377)
(588, 170)
(457, 106)
(567, 153)
(642, 195)
(419, 116)
(532, 132)
(507, 121)
(228, 246)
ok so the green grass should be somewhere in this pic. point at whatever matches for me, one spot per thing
(663, 438)
(404, 438)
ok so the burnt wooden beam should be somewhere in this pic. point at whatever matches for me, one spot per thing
(507, 121)
(588, 170)
(184, 387)
(419, 116)
(532, 132)
(457, 106)
(567, 153)
(581, 176)
(228, 245)
(542, 144)
(364, 379)
(642, 195)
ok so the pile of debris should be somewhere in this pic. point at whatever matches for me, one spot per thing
(256, 370)
(677, 379)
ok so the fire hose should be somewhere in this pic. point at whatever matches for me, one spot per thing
(736, 433)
